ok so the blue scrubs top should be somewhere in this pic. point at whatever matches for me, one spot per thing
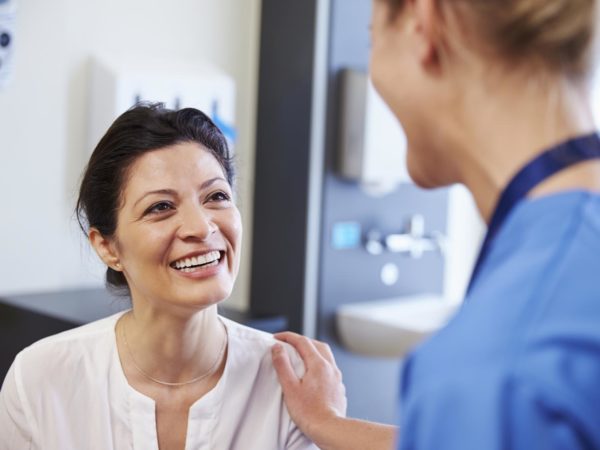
(519, 366)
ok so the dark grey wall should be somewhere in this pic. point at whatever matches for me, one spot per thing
(282, 158)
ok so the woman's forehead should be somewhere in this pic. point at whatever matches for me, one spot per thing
(179, 164)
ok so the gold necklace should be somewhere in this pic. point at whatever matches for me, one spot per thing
(210, 371)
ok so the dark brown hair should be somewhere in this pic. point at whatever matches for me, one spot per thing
(141, 129)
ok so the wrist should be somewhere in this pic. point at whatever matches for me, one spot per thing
(325, 431)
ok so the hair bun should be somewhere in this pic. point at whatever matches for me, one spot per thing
(557, 33)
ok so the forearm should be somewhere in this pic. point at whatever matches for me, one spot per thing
(352, 434)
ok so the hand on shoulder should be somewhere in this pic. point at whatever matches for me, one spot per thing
(317, 400)
(319, 396)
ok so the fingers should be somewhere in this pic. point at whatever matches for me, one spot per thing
(283, 367)
(325, 351)
(306, 347)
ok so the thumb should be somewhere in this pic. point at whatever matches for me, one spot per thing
(283, 367)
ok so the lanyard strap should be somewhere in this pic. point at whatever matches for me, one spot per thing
(540, 168)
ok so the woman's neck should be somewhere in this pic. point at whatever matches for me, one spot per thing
(511, 124)
(173, 348)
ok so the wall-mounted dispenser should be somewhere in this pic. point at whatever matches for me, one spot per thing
(372, 144)
(118, 84)
(8, 10)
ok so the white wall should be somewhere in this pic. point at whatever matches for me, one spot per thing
(43, 118)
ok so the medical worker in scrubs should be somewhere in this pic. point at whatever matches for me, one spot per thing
(492, 94)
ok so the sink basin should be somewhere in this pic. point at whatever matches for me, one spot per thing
(391, 328)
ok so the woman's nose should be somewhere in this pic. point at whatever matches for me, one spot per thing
(196, 223)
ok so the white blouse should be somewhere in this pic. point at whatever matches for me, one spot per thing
(69, 392)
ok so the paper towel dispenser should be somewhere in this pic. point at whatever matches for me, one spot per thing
(372, 144)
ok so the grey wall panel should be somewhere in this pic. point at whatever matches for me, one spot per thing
(282, 158)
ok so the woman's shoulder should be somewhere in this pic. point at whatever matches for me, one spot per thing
(256, 345)
(58, 352)
(237, 330)
(251, 393)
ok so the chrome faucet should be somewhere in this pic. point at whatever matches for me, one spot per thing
(412, 241)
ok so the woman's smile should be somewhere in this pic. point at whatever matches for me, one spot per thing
(200, 264)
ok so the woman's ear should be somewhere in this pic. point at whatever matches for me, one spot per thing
(105, 248)
(428, 29)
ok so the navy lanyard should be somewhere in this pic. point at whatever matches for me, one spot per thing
(540, 168)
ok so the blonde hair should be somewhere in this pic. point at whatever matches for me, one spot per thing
(559, 34)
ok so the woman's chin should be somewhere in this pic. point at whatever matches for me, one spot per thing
(201, 297)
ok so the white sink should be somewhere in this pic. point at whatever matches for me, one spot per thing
(391, 328)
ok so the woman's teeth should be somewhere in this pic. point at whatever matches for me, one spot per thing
(207, 260)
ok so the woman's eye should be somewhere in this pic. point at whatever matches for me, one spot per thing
(220, 197)
(159, 207)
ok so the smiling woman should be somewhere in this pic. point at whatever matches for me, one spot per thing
(156, 202)
(178, 234)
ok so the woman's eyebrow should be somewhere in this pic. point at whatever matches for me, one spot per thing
(211, 181)
(169, 192)
(173, 193)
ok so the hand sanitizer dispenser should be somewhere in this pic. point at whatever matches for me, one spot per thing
(372, 144)
(8, 10)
